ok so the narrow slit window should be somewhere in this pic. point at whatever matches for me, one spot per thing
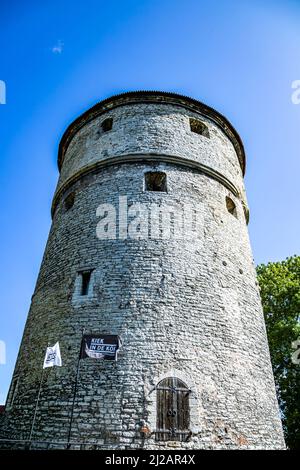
(13, 391)
(199, 127)
(231, 207)
(106, 125)
(156, 181)
(85, 282)
(246, 213)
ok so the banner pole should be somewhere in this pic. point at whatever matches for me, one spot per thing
(75, 391)
(37, 402)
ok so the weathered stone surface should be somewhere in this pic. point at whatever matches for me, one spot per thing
(188, 308)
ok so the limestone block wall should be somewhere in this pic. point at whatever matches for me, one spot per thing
(183, 307)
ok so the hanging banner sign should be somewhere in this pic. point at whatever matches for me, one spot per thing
(52, 357)
(100, 346)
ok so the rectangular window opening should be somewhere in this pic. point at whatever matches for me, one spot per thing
(107, 124)
(156, 181)
(85, 282)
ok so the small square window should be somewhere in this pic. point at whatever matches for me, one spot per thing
(156, 181)
(199, 127)
(107, 124)
(69, 201)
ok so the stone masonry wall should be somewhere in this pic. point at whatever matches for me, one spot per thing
(153, 128)
(189, 308)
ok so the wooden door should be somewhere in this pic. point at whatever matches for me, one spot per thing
(173, 413)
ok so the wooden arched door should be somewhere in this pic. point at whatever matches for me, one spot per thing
(173, 410)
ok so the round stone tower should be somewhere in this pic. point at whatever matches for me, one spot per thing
(149, 243)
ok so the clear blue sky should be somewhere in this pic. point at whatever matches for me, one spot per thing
(60, 57)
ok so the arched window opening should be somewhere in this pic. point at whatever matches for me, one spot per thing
(107, 124)
(173, 410)
(199, 127)
(231, 207)
(156, 181)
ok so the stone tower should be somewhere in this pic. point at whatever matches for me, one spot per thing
(149, 243)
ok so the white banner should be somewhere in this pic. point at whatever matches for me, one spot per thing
(52, 357)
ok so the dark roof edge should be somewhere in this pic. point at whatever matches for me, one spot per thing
(131, 97)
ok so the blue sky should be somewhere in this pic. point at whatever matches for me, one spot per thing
(60, 57)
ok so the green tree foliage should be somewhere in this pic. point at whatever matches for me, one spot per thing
(280, 292)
